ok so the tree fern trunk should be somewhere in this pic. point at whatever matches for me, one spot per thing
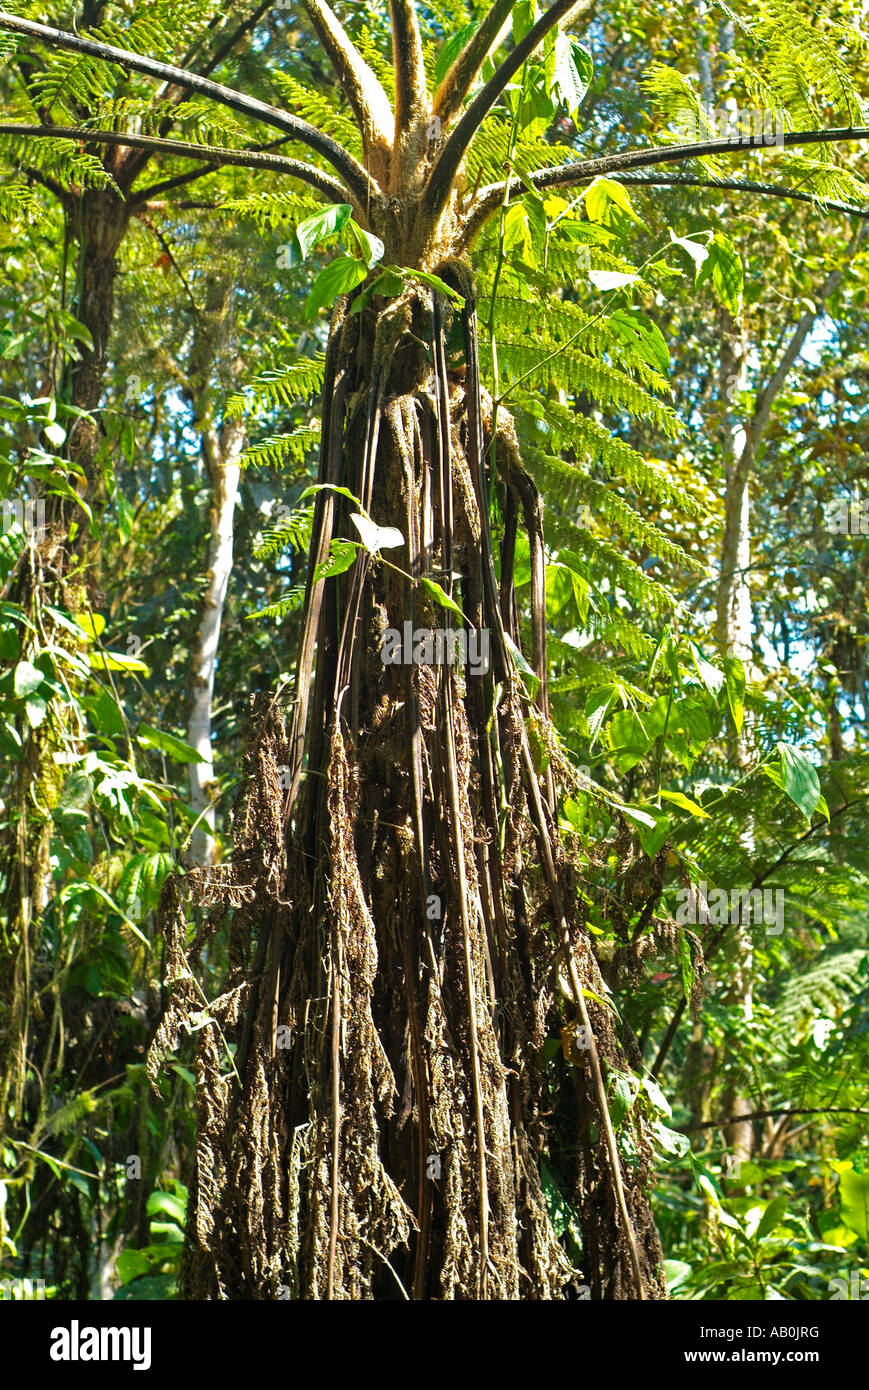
(405, 933)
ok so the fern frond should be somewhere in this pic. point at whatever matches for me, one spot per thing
(318, 109)
(293, 598)
(575, 371)
(557, 478)
(288, 386)
(824, 988)
(281, 449)
(294, 530)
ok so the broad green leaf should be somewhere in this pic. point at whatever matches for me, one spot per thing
(27, 678)
(671, 1141)
(340, 276)
(574, 70)
(450, 50)
(734, 675)
(174, 748)
(798, 778)
(389, 283)
(652, 839)
(580, 595)
(597, 707)
(322, 225)
(116, 661)
(523, 18)
(685, 803)
(710, 676)
(643, 336)
(772, 1217)
(656, 1095)
(686, 966)
(519, 661)
(691, 716)
(126, 517)
(169, 1205)
(130, 1264)
(854, 1199)
(440, 595)
(340, 558)
(622, 1094)
(603, 191)
(333, 487)
(676, 1272)
(517, 232)
(371, 246)
(724, 267)
(628, 730)
(93, 624)
(434, 282)
(643, 818)
(560, 1213)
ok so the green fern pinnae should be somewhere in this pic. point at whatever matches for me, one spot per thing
(282, 449)
(558, 478)
(371, 51)
(586, 674)
(807, 60)
(586, 671)
(150, 36)
(491, 149)
(574, 371)
(270, 210)
(292, 599)
(294, 531)
(18, 200)
(825, 988)
(623, 573)
(594, 444)
(300, 381)
(559, 321)
(61, 158)
(318, 109)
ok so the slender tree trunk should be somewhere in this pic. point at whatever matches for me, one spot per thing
(734, 631)
(221, 449)
(212, 366)
(733, 608)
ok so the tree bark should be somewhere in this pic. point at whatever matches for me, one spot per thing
(221, 449)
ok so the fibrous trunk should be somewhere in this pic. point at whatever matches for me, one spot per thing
(405, 929)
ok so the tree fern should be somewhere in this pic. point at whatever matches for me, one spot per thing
(825, 988)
